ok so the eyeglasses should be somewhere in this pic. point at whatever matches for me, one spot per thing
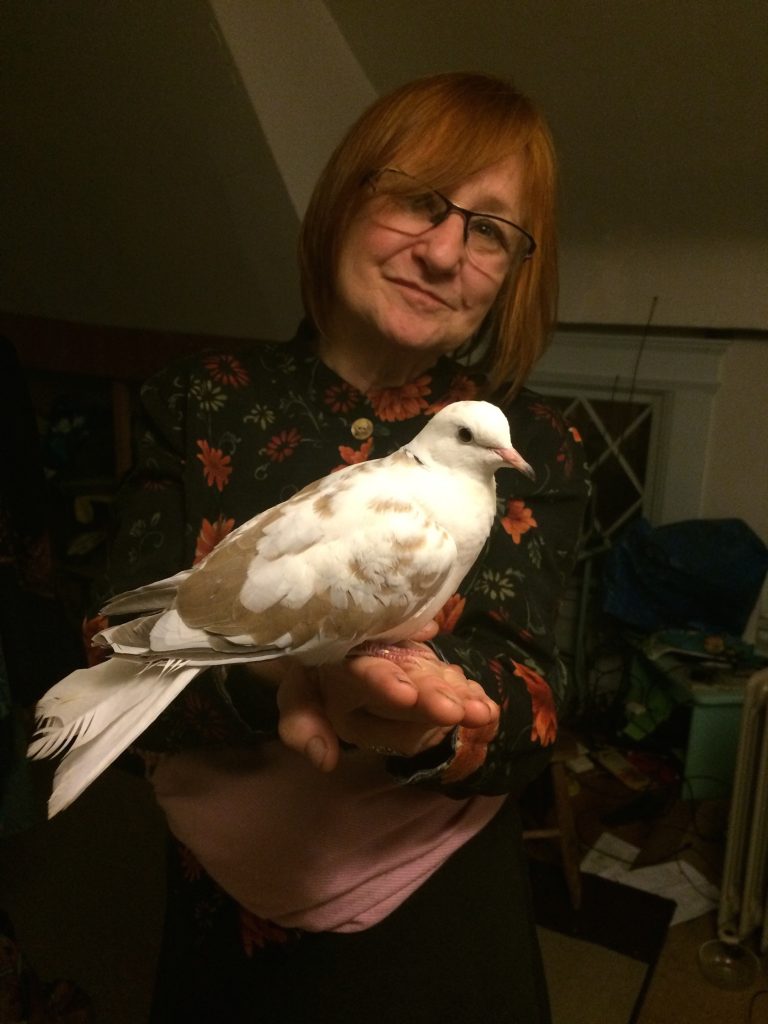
(493, 243)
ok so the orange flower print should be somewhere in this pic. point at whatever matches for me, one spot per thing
(496, 668)
(352, 456)
(341, 397)
(283, 445)
(210, 534)
(401, 403)
(450, 613)
(255, 932)
(462, 389)
(518, 520)
(216, 465)
(544, 721)
(543, 412)
(565, 455)
(90, 627)
(470, 751)
(225, 369)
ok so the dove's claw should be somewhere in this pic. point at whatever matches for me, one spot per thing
(392, 652)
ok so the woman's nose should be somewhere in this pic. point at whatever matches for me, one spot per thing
(443, 247)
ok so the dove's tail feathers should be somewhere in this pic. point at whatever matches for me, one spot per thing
(152, 597)
(94, 714)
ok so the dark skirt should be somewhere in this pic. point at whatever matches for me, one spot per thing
(462, 948)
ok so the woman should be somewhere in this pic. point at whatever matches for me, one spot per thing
(368, 863)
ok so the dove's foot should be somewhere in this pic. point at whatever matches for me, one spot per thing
(398, 653)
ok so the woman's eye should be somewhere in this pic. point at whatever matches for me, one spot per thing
(426, 204)
(490, 232)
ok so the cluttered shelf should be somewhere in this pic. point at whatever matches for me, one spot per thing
(707, 678)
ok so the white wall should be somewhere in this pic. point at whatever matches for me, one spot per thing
(736, 478)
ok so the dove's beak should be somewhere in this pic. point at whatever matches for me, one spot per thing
(513, 458)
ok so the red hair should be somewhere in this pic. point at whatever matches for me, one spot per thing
(442, 129)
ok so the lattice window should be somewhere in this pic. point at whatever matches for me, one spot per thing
(620, 440)
(618, 436)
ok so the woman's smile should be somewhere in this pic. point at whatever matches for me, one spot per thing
(417, 293)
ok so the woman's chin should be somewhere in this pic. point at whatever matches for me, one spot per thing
(413, 335)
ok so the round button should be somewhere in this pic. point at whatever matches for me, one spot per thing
(362, 429)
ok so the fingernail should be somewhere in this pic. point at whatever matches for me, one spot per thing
(316, 750)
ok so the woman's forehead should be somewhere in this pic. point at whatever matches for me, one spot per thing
(445, 170)
(497, 187)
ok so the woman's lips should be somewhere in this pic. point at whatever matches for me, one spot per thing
(419, 293)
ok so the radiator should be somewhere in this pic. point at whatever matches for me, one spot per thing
(744, 892)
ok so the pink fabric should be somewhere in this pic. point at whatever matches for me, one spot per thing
(322, 852)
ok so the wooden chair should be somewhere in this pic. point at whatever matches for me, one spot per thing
(563, 829)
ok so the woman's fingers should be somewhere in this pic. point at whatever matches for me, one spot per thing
(445, 693)
(304, 725)
(402, 705)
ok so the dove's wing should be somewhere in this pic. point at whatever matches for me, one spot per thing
(342, 562)
(240, 543)
(151, 597)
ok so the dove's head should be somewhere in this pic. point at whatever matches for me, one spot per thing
(473, 436)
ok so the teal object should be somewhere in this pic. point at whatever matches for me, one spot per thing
(716, 705)
(715, 695)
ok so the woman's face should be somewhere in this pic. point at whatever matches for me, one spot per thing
(421, 292)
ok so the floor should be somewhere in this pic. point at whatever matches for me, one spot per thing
(85, 894)
(680, 995)
(694, 832)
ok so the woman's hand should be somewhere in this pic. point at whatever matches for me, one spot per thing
(395, 705)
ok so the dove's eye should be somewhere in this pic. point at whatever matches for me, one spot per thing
(465, 435)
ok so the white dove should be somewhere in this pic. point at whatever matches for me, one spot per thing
(369, 553)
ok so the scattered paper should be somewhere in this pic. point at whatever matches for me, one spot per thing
(676, 880)
(581, 764)
(610, 857)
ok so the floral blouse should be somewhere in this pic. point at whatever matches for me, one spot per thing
(227, 434)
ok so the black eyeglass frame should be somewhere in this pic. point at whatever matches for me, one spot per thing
(451, 207)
